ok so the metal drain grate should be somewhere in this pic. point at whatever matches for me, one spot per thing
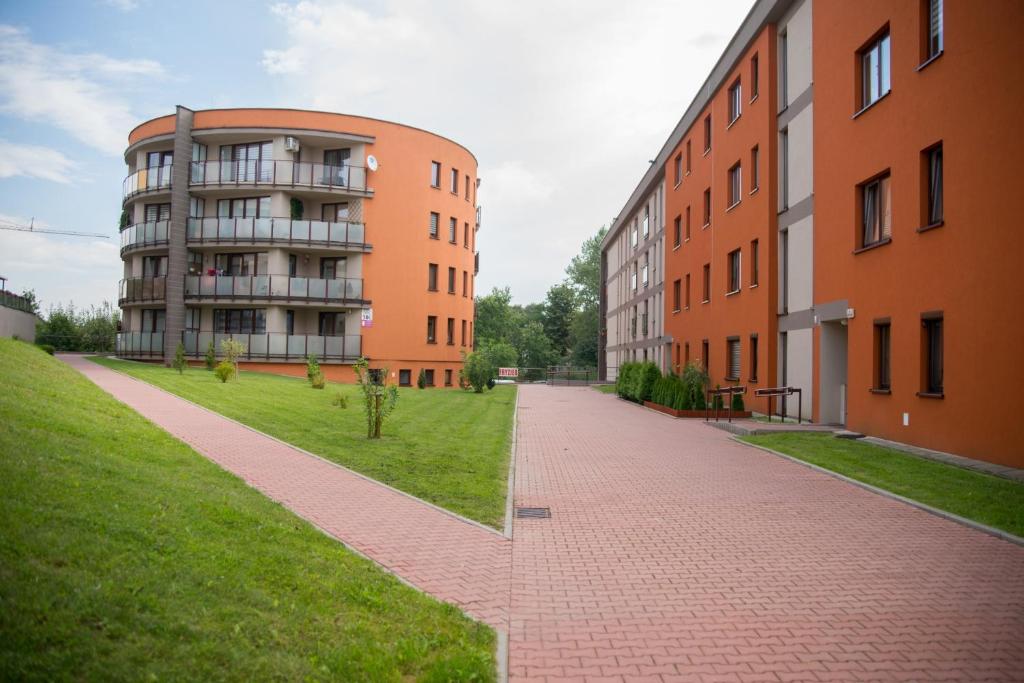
(533, 513)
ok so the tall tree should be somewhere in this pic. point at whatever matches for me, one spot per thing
(584, 271)
(559, 309)
(496, 318)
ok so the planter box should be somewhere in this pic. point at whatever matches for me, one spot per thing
(722, 414)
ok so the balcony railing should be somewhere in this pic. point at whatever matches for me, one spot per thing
(140, 235)
(278, 172)
(139, 344)
(278, 346)
(146, 180)
(12, 300)
(141, 289)
(276, 230)
(338, 290)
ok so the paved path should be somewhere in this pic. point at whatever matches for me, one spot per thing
(672, 553)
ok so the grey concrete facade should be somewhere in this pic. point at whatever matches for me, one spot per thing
(177, 251)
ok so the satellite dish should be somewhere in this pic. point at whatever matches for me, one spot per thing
(371, 162)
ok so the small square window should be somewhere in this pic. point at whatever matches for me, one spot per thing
(405, 378)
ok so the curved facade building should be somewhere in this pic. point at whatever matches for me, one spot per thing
(298, 233)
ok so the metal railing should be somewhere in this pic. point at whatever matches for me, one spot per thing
(151, 234)
(273, 287)
(570, 376)
(278, 172)
(724, 396)
(146, 344)
(146, 180)
(12, 300)
(142, 289)
(213, 229)
(782, 393)
(278, 346)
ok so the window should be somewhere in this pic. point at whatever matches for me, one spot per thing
(334, 213)
(646, 225)
(934, 213)
(687, 223)
(753, 77)
(678, 166)
(734, 271)
(783, 70)
(933, 24)
(154, 266)
(465, 235)
(451, 280)
(754, 263)
(453, 227)
(467, 199)
(705, 356)
(431, 329)
(646, 315)
(154, 319)
(755, 159)
(634, 236)
(677, 231)
(735, 101)
(451, 332)
(874, 71)
(753, 358)
(432, 277)
(732, 358)
(686, 353)
(470, 333)
(707, 133)
(253, 263)
(289, 322)
(932, 354)
(193, 318)
(689, 157)
(435, 177)
(735, 185)
(448, 373)
(707, 283)
(883, 346)
(333, 268)
(644, 272)
(428, 377)
(455, 181)
(244, 207)
(247, 162)
(435, 220)
(784, 270)
(676, 294)
(687, 291)
(240, 320)
(405, 378)
(463, 333)
(784, 169)
(876, 207)
(707, 207)
(196, 207)
(332, 325)
(465, 283)
(157, 212)
(633, 277)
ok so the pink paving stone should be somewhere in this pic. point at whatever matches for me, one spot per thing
(733, 563)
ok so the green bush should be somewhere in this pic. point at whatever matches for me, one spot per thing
(649, 374)
(179, 363)
(695, 382)
(340, 400)
(224, 371)
(318, 381)
(312, 367)
(47, 347)
(421, 379)
(737, 402)
(478, 370)
(624, 380)
(211, 356)
(716, 400)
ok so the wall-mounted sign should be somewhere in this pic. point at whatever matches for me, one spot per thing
(366, 317)
(508, 372)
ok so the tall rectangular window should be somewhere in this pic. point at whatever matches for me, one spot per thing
(932, 354)
(689, 157)
(875, 71)
(754, 264)
(876, 208)
(455, 181)
(707, 207)
(646, 224)
(435, 220)
(707, 283)
(465, 283)
(431, 329)
(687, 222)
(453, 227)
(451, 331)
(735, 101)
(935, 212)
(678, 168)
(705, 356)
(732, 358)
(755, 164)
(435, 174)
(687, 291)
(784, 169)
(707, 133)
(676, 294)
(686, 353)
(467, 189)
(933, 40)
(677, 231)
(448, 377)
(463, 333)
(735, 185)
(883, 355)
(754, 76)
(432, 277)
(465, 235)
(753, 358)
(783, 71)
(734, 271)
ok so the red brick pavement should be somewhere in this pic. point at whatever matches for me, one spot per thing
(672, 553)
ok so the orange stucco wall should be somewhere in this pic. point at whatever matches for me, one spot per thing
(752, 309)
(970, 99)
(397, 221)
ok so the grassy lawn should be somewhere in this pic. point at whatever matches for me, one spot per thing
(125, 555)
(990, 500)
(604, 388)
(446, 446)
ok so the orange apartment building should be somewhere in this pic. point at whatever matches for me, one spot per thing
(298, 233)
(836, 218)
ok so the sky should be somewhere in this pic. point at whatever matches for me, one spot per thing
(563, 103)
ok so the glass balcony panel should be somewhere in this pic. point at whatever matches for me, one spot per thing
(190, 340)
(226, 228)
(283, 229)
(334, 347)
(315, 345)
(356, 233)
(244, 227)
(318, 231)
(258, 345)
(353, 345)
(299, 287)
(242, 285)
(277, 344)
(335, 288)
(353, 289)
(317, 288)
(204, 342)
(191, 285)
(297, 345)
(261, 286)
(224, 285)
(262, 228)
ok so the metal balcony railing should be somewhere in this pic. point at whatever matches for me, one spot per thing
(278, 346)
(214, 230)
(142, 289)
(151, 234)
(285, 172)
(146, 180)
(139, 344)
(270, 287)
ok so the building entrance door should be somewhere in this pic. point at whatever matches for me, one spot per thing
(832, 401)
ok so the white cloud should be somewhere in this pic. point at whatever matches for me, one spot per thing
(76, 92)
(563, 103)
(33, 161)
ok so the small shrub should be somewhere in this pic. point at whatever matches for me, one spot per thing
(339, 400)
(46, 347)
(737, 402)
(478, 370)
(490, 383)
(224, 371)
(232, 350)
(312, 367)
(179, 363)
(624, 381)
(421, 379)
(318, 381)
(211, 356)
(649, 374)
(379, 399)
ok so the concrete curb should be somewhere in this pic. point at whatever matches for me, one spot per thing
(510, 486)
(977, 526)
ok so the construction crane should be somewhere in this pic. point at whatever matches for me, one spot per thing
(6, 225)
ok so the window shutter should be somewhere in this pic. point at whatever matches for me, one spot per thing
(734, 358)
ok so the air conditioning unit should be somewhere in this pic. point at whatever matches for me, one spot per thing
(291, 144)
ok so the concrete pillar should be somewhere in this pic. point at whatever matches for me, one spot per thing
(177, 253)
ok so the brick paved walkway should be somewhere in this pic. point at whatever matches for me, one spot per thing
(672, 553)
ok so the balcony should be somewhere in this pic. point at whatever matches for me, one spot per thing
(345, 235)
(142, 290)
(140, 344)
(280, 172)
(144, 236)
(280, 347)
(157, 178)
(339, 291)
